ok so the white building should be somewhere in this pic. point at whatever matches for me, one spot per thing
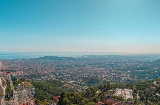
(125, 93)
(0, 65)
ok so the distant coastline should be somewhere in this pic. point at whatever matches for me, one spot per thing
(27, 55)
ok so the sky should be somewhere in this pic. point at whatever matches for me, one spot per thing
(125, 26)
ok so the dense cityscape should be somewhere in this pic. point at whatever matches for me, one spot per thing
(84, 72)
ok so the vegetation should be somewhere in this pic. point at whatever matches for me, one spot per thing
(45, 90)
(144, 93)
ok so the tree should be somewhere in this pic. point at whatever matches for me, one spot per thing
(91, 103)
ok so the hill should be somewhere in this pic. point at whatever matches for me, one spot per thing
(55, 58)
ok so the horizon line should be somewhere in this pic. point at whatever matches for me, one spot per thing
(123, 53)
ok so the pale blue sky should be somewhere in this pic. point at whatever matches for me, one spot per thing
(131, 26)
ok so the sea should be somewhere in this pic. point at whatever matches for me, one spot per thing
(25, 55)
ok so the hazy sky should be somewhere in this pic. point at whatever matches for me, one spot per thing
(80, 26)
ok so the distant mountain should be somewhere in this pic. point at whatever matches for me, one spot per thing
(55, 58)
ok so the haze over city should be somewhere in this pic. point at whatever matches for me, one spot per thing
(119, 26)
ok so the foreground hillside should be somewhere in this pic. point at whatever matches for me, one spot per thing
(54, 92)
(144, 93)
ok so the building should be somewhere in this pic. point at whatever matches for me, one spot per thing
(0, 65)
(125, 93)
(112, 101)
